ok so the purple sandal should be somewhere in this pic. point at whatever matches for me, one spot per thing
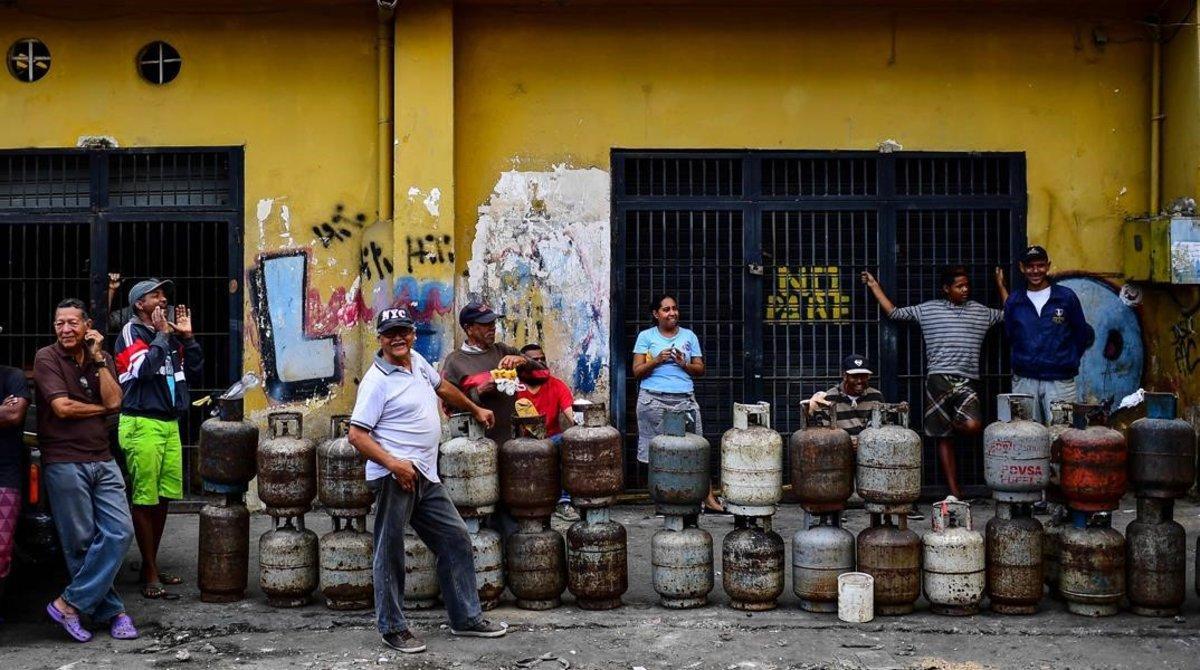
(69, 623)
(122, 628)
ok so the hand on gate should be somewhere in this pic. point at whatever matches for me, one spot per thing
(869, 279)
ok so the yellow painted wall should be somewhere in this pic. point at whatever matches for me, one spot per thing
(537, 87)
(1173, 313)
(296, 89)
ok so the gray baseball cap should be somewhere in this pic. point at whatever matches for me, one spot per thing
(146, 286)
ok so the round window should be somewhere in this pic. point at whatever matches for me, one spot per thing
(29, 59)
(159, 63)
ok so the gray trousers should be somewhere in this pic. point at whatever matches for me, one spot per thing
(429, 511)
(1044, 392)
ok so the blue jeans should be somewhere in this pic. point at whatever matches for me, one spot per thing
(431, 514)
(95, 529)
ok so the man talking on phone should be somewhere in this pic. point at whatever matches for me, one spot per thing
(157, 357)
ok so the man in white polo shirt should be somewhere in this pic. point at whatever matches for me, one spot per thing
(396, 425)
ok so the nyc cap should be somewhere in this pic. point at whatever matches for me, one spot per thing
(856, 364)
(396, 317)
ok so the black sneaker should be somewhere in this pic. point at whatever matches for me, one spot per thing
(483, 628)
(404, 642)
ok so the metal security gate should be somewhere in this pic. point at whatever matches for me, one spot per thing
(70, 217)
(764, 251)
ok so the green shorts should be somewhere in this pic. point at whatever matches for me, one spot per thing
(154, 457)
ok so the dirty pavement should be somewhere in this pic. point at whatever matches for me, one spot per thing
(249, 634)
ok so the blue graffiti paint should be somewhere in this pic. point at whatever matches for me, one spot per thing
(587, 372)
(429, 300)
(1112, 368)
(296, 366)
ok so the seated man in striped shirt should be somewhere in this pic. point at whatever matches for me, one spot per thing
(953, 328)
(853, 399)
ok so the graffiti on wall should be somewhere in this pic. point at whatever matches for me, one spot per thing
(375, 265)
(1184, 345)
(808, 294)
(298, 363)
(429, 249)
(541, 257)
(1112, 367)
(334, 229)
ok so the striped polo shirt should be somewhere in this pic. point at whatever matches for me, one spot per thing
(953, 334)
(853, 413)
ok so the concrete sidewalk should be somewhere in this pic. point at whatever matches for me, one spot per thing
(189, 634)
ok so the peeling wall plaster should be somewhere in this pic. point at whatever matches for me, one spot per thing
(541, 256)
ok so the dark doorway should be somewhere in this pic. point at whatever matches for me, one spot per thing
(70, 217)
(764, 249)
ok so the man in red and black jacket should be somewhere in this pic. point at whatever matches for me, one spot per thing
(156, 358)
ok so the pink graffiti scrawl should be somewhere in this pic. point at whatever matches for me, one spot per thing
(324, 318)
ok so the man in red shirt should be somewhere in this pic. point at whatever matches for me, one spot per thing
(552, 399)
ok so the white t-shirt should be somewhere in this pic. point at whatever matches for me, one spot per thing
(1039, 299)
(400, 409)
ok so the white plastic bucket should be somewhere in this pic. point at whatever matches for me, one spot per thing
(856, 597)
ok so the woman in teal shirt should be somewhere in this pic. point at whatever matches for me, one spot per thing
(666, 358)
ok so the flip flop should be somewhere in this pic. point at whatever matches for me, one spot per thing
(155, 591)
(169, 579)
(69, 623)
(122, 628)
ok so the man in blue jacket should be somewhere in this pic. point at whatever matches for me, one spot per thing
(1045, 326)
(156, 359)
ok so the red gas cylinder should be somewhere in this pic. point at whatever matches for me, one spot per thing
(1093, 462)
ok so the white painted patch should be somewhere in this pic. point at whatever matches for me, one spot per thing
(433, 202)
(262, 212)
(413, 192)
(541, 256)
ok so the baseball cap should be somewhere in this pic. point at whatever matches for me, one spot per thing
(477, 312)
(145, 287)
(395, 317)
(856, 364)
(1034, 253)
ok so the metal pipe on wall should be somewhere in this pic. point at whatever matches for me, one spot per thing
(1156, 120)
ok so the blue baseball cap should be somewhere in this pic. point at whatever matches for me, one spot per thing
(145, 287)
(476, 312)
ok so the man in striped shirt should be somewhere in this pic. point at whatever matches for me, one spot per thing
(953, 328)
(853, 399)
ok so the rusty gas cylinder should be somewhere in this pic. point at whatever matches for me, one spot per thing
(1092, 573)
(679, 467)
(953, 561)
(889, 462)
(1016, 451)
(1155, 559)
(488, 554)
(421, 587)
(821, 551)
(593, 461)
(891, 554)
(288, 561)
(536, 561)
(529, 482)
(822, 462)
(1162, 450)
(345, 565)
(287, 467)
(1052, 548)
(1093, 462)
(224, 553)
(468, 467)
(752, 564)
(597, 562)
(681, 559)
(227, 449)
(1014, 559)
(752, 462)
(342, 473)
